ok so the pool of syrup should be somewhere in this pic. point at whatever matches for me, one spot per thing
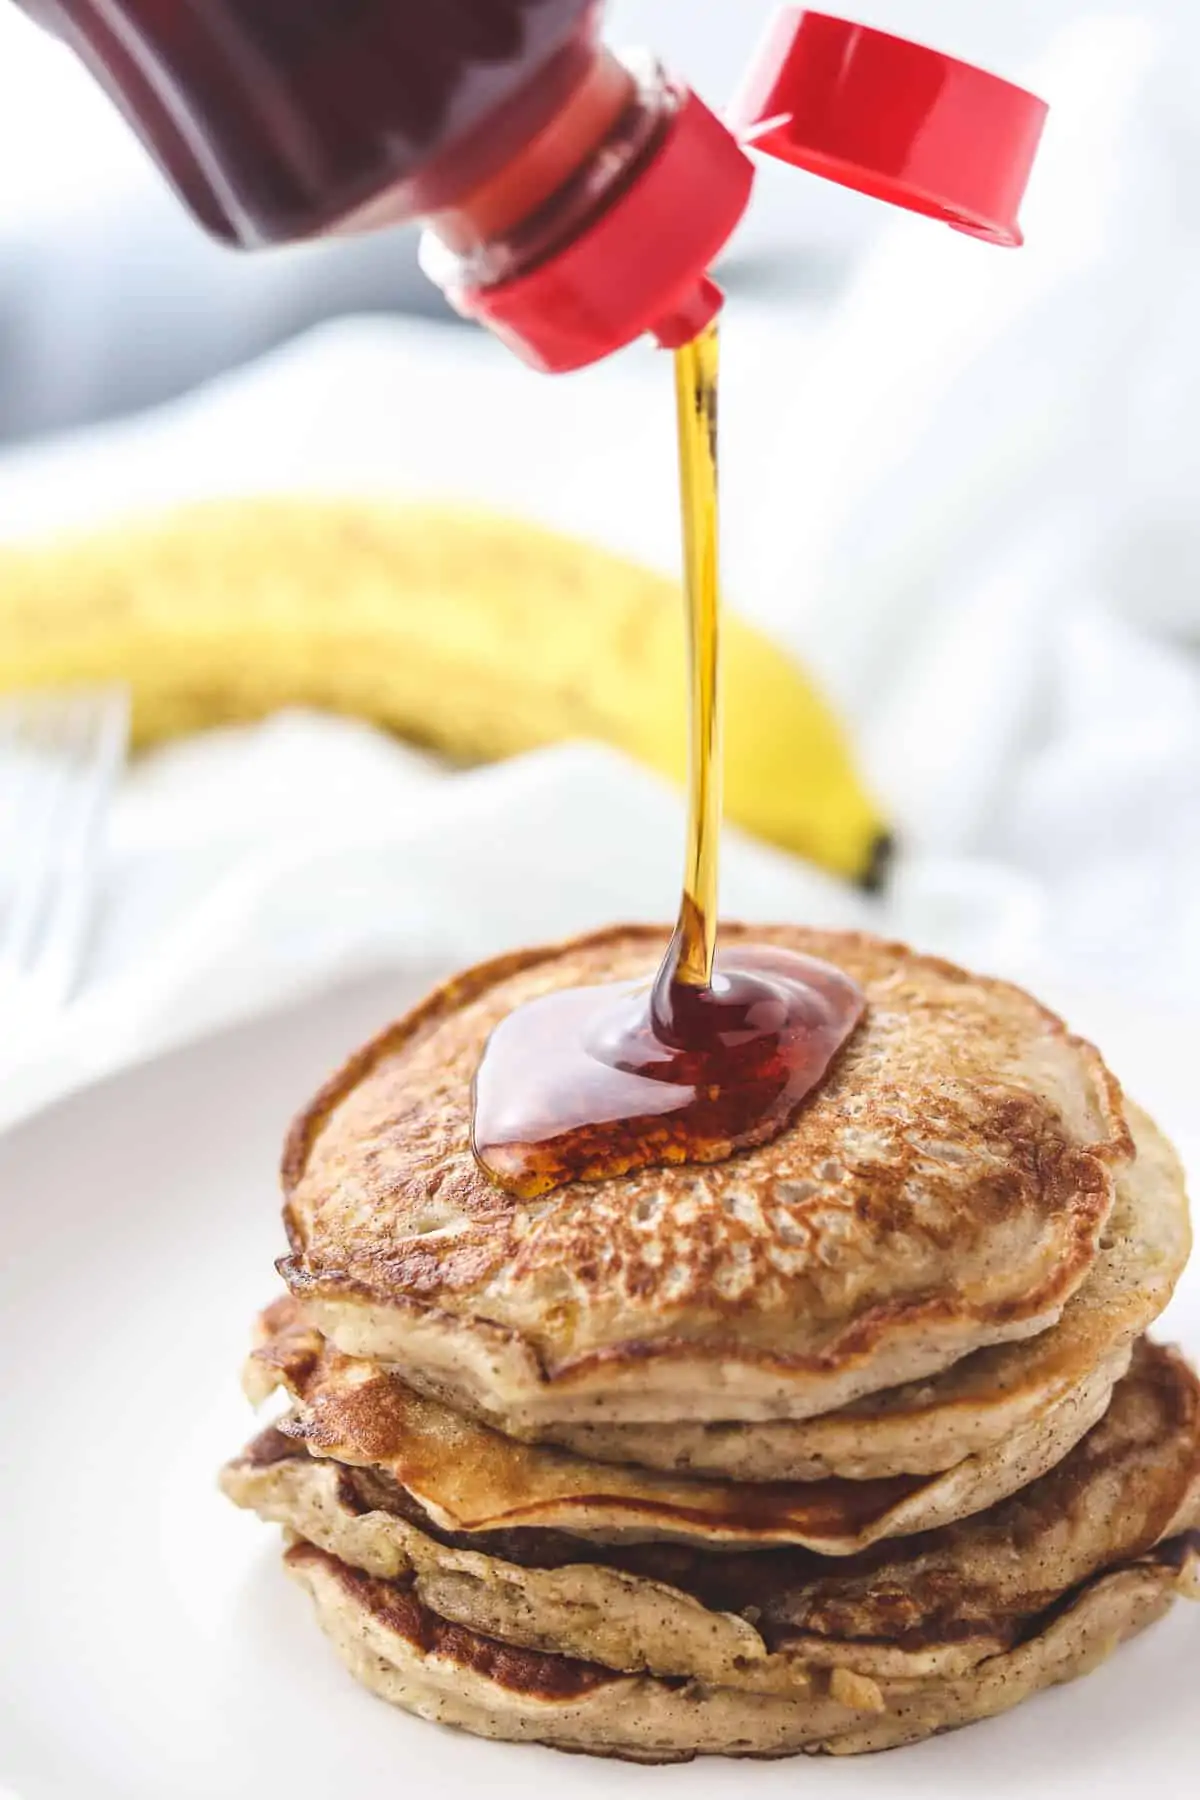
(718, 1050)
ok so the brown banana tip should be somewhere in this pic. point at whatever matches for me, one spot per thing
(878, 868)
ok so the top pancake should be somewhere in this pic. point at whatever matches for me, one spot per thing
(985, 1399)
(944, 1189)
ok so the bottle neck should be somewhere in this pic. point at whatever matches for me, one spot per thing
(606, 227)
(546, 165)
(558, 182)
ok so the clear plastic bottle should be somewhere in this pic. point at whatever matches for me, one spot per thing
(280, 119)
(574, 201)
(505, 124)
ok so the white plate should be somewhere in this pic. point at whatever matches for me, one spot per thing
(151, 1648)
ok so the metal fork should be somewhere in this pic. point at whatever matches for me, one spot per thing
(60, 756)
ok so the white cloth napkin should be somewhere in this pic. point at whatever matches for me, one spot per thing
(224, 898)
(928, 494)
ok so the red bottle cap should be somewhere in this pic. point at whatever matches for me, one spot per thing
(893, 119)
(860, 107)
(641, 265)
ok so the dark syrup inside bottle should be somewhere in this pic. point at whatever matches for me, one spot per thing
(278, 119)
(718, 1050)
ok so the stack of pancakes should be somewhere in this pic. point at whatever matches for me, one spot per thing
(831, 1445)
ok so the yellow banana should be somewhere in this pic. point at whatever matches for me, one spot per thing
(477, 635)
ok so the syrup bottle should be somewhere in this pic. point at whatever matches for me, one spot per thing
(574, 200)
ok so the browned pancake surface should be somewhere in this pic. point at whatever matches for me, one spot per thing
(943, 1189)
(469, 1478)
(1133, 1480)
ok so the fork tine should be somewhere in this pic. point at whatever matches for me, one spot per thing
(102, 731)
(42, 785)
(78, 742)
